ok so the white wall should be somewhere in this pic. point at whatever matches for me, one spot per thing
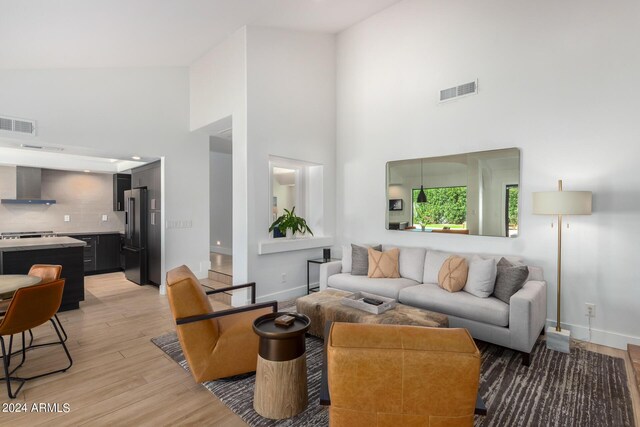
(291, 114)
(279, 88)
(137, 111)
(218, 90)
(554, 81)
(220, 201)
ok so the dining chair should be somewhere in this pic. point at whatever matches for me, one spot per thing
(30, 307)
(46, 273)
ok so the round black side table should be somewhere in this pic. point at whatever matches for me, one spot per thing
(281, 374)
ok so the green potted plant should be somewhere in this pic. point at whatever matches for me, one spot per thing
(290, 221)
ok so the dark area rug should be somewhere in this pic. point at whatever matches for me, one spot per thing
(581, 389)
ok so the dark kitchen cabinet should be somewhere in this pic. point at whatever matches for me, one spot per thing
(89, 253)
(70, 258)
(108, 252)
(121, 183)
(102, 253)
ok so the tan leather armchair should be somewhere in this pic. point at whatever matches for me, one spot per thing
(216, 344)
(392, 375)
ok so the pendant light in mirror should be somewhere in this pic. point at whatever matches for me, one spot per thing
(422, 196)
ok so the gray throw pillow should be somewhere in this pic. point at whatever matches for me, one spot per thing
(509, 280)
(360, 259)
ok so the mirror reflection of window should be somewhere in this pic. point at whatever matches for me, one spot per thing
(446, 208)
(511, 209)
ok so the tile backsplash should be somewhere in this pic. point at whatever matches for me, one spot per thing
(85, 197)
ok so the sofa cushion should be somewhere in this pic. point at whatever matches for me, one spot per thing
(383, 264)
(411, 262)
(432, 265)
(509, 280)
(346, 258)
(360, 259)
(482, 277)
(453, 274)
(460, 304)
(384, 287)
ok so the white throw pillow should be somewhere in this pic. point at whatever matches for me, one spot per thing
(482, 277)
(432, 265)
(346, 258)
(411, 262)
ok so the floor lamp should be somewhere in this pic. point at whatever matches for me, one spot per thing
(560, 203)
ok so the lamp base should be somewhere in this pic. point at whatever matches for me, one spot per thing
(558, 341)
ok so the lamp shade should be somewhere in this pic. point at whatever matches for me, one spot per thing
(562, 203)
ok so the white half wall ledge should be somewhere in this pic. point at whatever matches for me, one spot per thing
(298, 244)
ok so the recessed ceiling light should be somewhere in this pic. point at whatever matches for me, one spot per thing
(136, 157)
(87, 171)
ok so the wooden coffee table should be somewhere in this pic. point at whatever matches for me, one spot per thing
(325, 306)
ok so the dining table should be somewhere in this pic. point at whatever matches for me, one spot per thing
(10, 283)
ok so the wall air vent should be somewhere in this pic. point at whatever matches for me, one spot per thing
(21, 126)
(448, 94)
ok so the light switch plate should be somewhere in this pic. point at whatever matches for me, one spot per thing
(67, 218)
(105, 218)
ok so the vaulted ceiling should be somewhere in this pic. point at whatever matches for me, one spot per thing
(146, 33)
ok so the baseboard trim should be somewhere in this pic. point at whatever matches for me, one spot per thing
(221, 250)
(598, 336)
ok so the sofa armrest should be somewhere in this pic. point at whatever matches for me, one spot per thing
(328, 269)
(527, 315)
(535, 273)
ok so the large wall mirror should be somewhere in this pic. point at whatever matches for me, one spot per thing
(472, 193)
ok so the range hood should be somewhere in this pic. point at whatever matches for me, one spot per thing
(28, 188)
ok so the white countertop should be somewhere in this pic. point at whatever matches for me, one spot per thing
(39, 243)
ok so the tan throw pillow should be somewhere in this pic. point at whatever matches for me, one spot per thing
(453, 274)
(383, 264)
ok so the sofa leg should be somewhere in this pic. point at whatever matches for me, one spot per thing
(526, 358)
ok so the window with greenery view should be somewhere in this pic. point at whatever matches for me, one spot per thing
(512, 210)
(445, 207)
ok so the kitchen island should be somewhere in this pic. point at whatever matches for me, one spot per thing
(18, 255)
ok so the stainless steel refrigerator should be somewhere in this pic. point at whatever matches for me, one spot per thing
(135, 235)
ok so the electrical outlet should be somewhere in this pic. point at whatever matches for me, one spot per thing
(590, 310)
(67, 218)
(105, 218)
(284, 277)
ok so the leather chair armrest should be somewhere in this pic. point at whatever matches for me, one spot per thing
(251, 285)
(191, 319)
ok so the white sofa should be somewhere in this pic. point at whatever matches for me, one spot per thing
(516, 325)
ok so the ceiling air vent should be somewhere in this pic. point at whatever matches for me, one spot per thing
(21, 126)
(448, 94)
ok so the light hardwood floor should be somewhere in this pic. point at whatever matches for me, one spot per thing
(120, 378)
(221, 263)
